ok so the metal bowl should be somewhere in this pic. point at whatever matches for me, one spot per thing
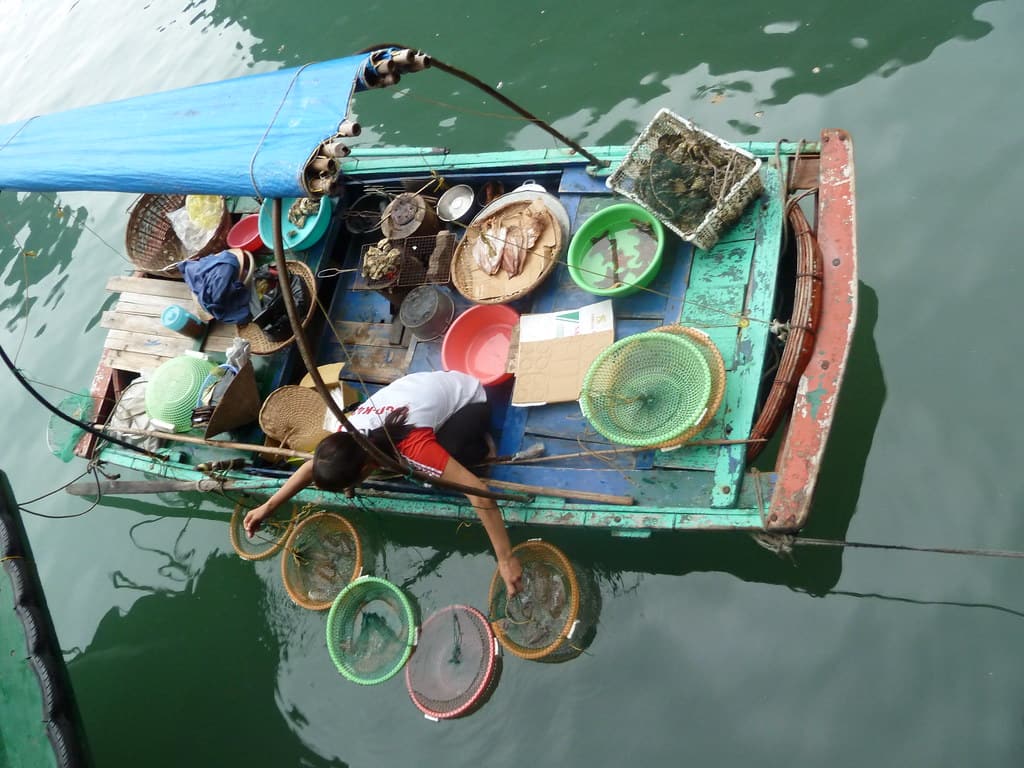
(456, 204)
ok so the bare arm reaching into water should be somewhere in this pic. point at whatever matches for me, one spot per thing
(487, 510)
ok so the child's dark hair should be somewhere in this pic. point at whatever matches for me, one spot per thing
(338, 461)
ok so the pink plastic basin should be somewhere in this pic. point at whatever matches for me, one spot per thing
(477, 342)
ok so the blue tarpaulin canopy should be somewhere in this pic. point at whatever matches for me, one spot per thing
(247, 136)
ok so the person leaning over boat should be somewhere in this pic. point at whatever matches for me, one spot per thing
(436, 421)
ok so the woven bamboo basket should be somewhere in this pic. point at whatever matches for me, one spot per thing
(478, 286)
(717, 366)
(150, 240)
(294, 417)
(259, 343)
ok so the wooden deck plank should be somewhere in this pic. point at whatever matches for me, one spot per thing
(149, 344)
(718, 289)
(133, 361)
(150, 286)
(743, 384)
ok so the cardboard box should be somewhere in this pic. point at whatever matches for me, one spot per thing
(554, 351)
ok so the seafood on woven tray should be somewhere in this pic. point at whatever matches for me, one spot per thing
(381, 260)
(301, 209)
(505, 240)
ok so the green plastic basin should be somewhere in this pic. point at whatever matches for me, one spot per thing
(639, 240)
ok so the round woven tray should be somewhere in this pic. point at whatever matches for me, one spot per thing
(293, 416)
(151, 242)
(259, 343)
(477, 286)
(717, 367)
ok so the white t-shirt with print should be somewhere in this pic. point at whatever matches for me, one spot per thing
(432, 397)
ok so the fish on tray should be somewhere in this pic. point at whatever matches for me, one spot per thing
(488, 247)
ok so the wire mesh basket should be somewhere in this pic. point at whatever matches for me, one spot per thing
(647, 389)
(552, 613)
(62, 436)
(716, 366)
(420, 261)
(456, 665)
(693, 181)
(372, 630)
(322, 556)
(150, 240)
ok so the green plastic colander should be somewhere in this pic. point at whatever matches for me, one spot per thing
(172, 392)
(372, 629)
(646, 389)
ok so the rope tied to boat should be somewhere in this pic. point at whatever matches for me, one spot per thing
(782, 544)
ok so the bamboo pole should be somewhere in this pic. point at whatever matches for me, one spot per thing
(540, 490)
(174, 437)
(617, 451)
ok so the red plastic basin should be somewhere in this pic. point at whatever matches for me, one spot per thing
(246, 234)
(477, 342)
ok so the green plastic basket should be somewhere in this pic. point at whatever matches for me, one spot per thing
(646, 389)
(372, 630)
(172, 392)
(61, 435)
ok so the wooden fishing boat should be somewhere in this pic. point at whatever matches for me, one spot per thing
(777, 294)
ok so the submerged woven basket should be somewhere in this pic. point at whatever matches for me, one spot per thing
(151, 242)
(322, 556)
(372, 629)
(259, 342)
(267, 542)
(647, 389)
(536, 624)
(456, 665)
(294, 416)
(716, 366)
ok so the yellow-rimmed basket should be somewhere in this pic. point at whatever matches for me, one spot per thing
(543, 622)
(267, 542)
(322, 556)
(717, 367)
(259, 342)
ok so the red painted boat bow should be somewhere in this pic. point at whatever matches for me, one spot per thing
(815, 402)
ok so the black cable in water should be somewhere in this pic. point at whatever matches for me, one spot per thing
(70, 419)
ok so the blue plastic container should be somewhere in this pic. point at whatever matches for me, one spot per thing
(182, 321)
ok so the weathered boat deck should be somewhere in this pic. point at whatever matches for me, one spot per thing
(728, 292)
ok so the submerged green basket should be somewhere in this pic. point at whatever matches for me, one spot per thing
(172, 392)
(646, 389)
(372, 629)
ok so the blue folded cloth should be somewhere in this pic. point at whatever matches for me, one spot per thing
(214, 281)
